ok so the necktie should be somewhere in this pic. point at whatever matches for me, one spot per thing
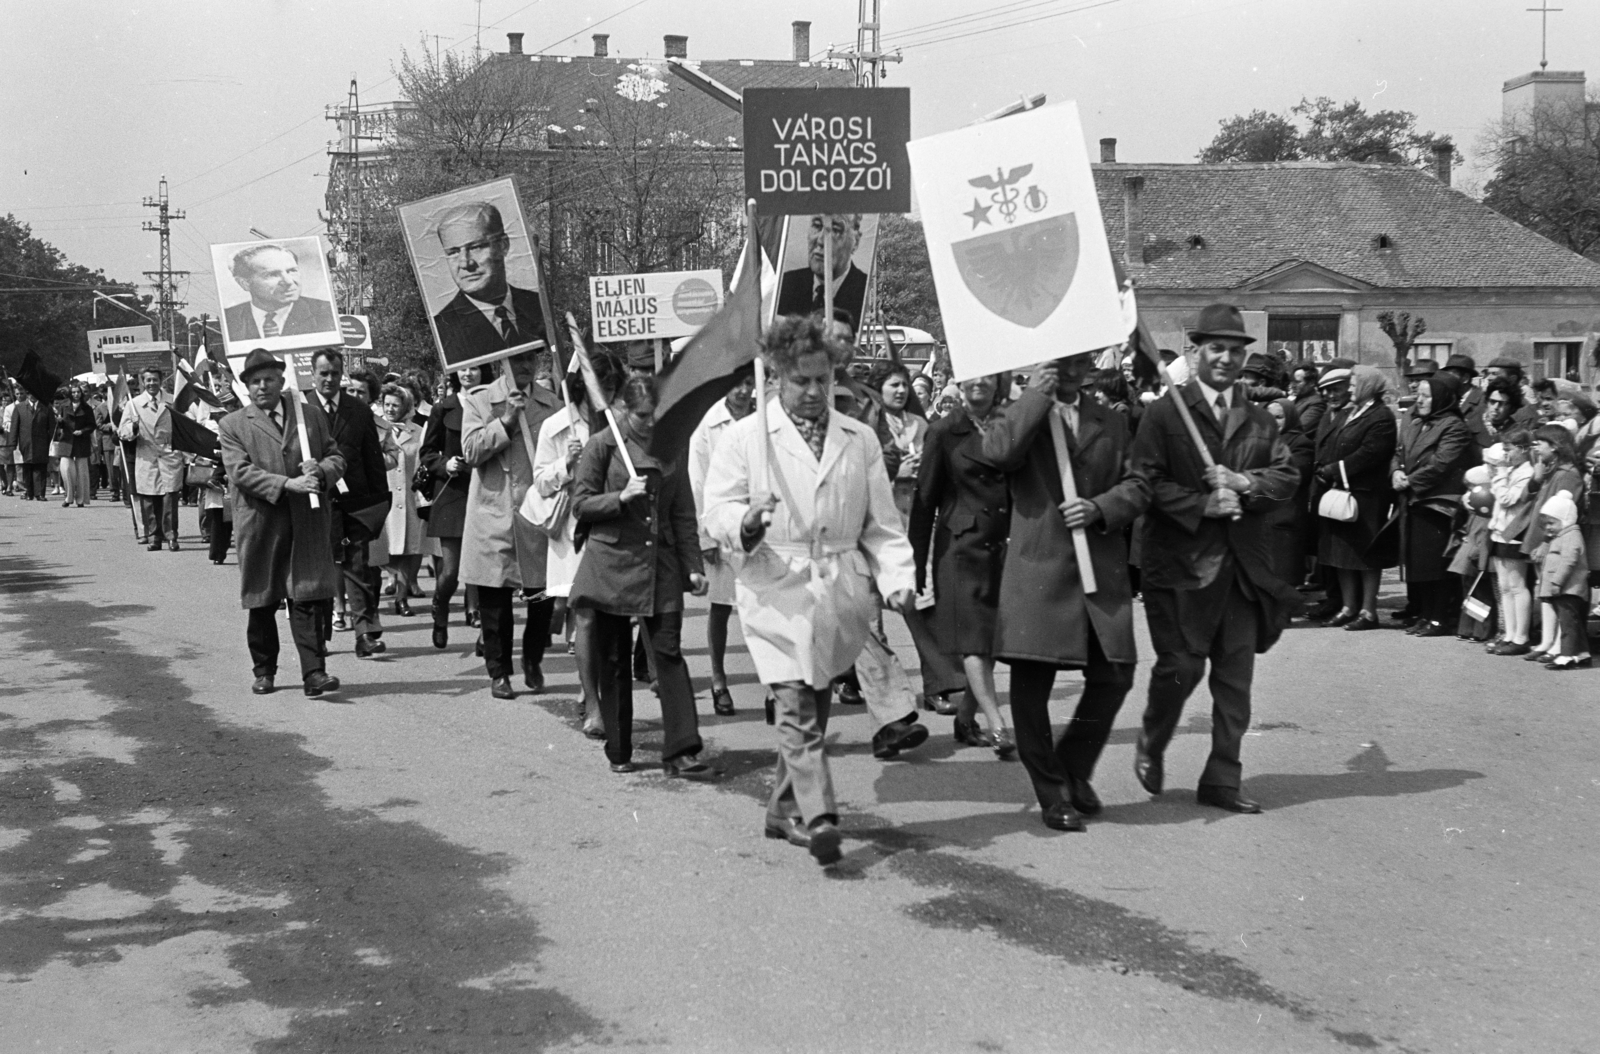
(818, 300)
(508, 329)
(277, 422)
(269, 324)
(1222, 409)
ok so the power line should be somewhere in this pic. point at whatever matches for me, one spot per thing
(252, 150)
(259, 178)
(943, 24)
(1006, 25)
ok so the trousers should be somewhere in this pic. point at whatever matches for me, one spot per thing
(497, 608)
(261, 634)
(804, 785)
(360, 586)
(34, 477)
(220, 533)
(607, 652)
(160, 514)
(1105, 686)
(1571, 616)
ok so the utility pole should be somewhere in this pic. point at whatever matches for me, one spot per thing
(347, 201)
(167, 301)
(868, 58)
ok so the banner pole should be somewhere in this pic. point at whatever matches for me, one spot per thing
(827, 270)
(595, 394)
(305, 439)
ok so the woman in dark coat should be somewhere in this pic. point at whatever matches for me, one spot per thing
(440, 455)
(640, 554)
(1293, 540)
(77, 429)
(1359, 451)
(1435, 450)
(964, 508)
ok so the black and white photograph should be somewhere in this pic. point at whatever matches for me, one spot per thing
(275, 295)
(805, 265)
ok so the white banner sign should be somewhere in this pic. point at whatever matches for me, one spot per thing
(1016, 242)
(657, 306)
(100, 339)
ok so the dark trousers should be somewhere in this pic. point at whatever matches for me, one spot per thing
(360, 587)
(219, 531)
(499, 630)
(609, 656)
(34, 478)
(119, 485)
(1437, 601)
(940, 674)
(804, 784)
(160, 515)
(1572, 618)
(1232, 654)
(8, 472)
(1105, 686)
(262, 635)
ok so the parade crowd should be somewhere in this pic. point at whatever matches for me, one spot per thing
(1011, 519)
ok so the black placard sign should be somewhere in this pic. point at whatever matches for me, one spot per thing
(815, 150)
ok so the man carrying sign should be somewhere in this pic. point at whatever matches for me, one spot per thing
(1050, 617)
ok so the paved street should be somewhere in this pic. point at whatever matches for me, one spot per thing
(414, 866)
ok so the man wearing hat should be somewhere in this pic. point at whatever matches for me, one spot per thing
(1210, 587)
(1419, 371)
(284, 542)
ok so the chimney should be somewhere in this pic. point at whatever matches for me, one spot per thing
(1108, 151)
(802, 41)
(1132, 223)
(600, 45)
(674, 46)
(1444, 153)
(515, 40)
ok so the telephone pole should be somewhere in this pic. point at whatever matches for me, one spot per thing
(167, 301)
(347, 190)
(868, 57)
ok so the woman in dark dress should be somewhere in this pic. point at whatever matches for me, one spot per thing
(1292, 539)
(1435, 450)
(440, 454)
(964, 508)
(1357, 456)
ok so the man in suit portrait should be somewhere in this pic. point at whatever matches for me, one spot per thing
(487, 314)
(271, 275)
(802, 293)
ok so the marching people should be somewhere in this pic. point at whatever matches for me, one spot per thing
(77, 430)
(157, 475)
(440, 454)
(285, 545)
(1210, 592)
(640, 555)
(810, 541)
(33, 427)
(738, 404)
(959, 524)
(1430, 463)
(1355, 458)
(501, 553)
(1048, 619)
(404, 527)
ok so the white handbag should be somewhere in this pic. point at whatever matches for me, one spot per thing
(1338, 504)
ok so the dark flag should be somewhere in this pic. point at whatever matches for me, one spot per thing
(191, 437)
(37, 379)
(194, 392)
(692, 383)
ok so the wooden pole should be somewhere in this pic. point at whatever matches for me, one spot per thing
(305, 439)
(596, 396)
(1069, 489)
(760, 472)
(827, 269)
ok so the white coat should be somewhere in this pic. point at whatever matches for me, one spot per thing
(702, 444)
(157, 468)
(500, 549)
(805, 594)
(552, 475)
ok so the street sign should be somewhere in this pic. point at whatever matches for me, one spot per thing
(99, 339)
(658, 306)
(131, 358)
(827, 150)
(357, 331)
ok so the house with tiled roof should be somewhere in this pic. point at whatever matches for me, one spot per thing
(1313, 252)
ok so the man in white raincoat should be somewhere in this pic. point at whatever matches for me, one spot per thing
(157, 474)
(812, 541)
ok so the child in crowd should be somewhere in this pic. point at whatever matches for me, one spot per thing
(1564, 581)
(1513, 509)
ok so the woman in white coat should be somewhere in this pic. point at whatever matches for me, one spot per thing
(403, 526)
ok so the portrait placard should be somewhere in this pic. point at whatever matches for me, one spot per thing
(800, 267)
(477, 267)
(275, 294)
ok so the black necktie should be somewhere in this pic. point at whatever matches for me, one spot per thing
(508, 329)
(1222, 408)
(276, 421)
(819, 300)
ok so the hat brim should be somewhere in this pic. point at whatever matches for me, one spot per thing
(1197, 335)
(258, 367)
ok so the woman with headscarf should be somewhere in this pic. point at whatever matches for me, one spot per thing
(1435, 450)
(1356, 457)
(1291, 538)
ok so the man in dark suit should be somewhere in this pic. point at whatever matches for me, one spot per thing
(1211, 591)
(271, 275)
(365, 480)
(1047, 621)
(488, 314)
(801, 292)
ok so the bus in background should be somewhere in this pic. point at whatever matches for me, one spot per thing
(915, 346)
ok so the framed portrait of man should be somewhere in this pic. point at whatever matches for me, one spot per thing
(275, 294)
(802, 269)
(478, 270)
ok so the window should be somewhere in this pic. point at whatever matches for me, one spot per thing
(1314, 337)
(1382, 241)
(1556, 358)
(1436, 351)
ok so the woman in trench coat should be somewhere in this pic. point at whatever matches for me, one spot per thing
(1358, 452)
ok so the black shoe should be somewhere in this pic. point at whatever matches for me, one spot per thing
(1342, 618)
(474, 620)
(441, 635)
(593, 728)
(319, 682)
(533, 677)
(1576, 664)
(1062, 817)
(790, 829)
(825, 843)
(367, 646)
(264, 685)
(688, 767)
(968, 734)
(939, 704)
(1324, 611)
(622, 768)
(1361, 622)
(154, 547)
(1405, 616)
(1227, 798)
(173, 545)
(771, 706)
(1005, 748)
(1148, 768)
(1083, 797)
(477, 649)
(891, 739)
(848, 695)
(402, 608)
(500, 688)
(722, 702)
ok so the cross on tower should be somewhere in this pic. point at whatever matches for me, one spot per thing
(1544, 11)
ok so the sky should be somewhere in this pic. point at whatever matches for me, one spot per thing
(228, 100)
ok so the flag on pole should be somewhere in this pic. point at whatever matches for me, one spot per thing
(192, 392)
(37, 379)
(705, 372)
(584, 365)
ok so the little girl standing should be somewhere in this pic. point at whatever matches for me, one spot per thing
(1513, 508)
(1564, 580)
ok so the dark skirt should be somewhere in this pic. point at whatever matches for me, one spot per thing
(966, 589)
(447, 517)
(1428, 533)
(1356, 546)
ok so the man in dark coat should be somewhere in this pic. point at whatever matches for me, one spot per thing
(365, 482)
(1309, 404)
(284, 550)
(33, 426)
(1046, 619)
(1210, 589)
(487, 314)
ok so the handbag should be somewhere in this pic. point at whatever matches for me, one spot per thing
(199, 472)
(1475, 609)
(1337, 504)
(60, 448)
(547, 515)
(423, 482)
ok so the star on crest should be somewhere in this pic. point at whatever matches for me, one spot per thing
(979, 214)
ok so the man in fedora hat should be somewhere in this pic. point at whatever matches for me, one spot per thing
(1212, 593)
(284, 543)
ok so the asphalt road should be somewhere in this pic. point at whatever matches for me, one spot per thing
(414, 866)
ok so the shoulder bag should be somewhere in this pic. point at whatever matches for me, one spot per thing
(1338, 504)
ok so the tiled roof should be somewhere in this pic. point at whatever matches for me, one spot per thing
(1256, 217)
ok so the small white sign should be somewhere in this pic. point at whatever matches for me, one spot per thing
(100, 339)
(657, 306)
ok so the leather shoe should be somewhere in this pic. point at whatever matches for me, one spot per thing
(441, 635)
(153, 547)
(533, 677)
(319, 682)
(367, 646)
(1435, 629)
(264, 686)
(790, 829)
(1082, 796)
(1324, 611)
(173, 545)
(688, 767)
(941, 704)
(500, 688)
(721, 702)
(622, 768)
(1148, 768)
(1062, 817)
(968, 734)
(1226, 798)
(849, 696)
(771, 707)
(1361, 622)
(825, 843)
(893, 738)
(1342, 618)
